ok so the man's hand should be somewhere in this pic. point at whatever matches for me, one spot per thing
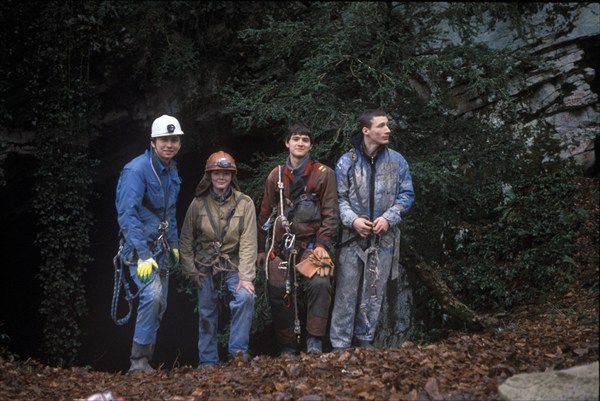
(321, 252)
(145, 269)
(247, 285)
(363, 226)
(261, 257)
(323, 261)
(380, 225)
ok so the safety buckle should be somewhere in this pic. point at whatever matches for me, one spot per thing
(283, 265)
(217, 246)
(289, 241)
(286, 301)
(297, 329)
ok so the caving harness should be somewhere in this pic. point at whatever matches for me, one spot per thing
(161, 245)
(289, 255)
(220, 262)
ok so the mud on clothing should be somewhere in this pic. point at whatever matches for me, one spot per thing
(372, 187)
(311, 205)
(146, 195)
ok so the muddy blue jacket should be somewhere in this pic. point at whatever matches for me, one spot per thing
(146, 195)
(373, 187)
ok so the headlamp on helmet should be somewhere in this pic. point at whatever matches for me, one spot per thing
(165, 126)
(220, 161)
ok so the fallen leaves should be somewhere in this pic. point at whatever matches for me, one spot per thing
(465, 366)
(431, 387)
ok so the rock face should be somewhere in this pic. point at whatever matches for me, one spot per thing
(557, 98)
(560, 95)
(579, 383)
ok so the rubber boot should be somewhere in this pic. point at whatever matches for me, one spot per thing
(140, 357)
(366, 344)
(287, 350)
(314, 345)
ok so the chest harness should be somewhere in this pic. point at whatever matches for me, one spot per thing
(220, 262)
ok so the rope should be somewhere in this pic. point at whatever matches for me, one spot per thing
(121, 282)
(217, 263)
(292, 266)
(290, 253)
(284, 223)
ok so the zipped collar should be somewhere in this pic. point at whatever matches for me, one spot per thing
(356, 139)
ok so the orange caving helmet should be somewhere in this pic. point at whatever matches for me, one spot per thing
(220, 161)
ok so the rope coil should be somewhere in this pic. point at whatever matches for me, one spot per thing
(121, 283)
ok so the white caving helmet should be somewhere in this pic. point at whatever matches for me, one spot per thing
(165, 126)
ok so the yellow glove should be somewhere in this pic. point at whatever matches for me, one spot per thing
(175, 253)
(145, 269)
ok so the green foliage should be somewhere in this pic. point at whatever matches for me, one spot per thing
(525, 250)
(265, 65)
(325, 63)
(57, 68)
(262, 308)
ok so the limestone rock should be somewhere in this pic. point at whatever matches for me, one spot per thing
(579, 383)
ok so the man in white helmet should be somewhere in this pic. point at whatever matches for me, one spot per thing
(146, 196)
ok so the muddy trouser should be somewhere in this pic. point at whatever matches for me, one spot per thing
(355, 311)
(315, 293)
(152, 305)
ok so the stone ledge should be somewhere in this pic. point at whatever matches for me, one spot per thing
(579, 383)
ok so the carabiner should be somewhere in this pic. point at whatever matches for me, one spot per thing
(289, 240)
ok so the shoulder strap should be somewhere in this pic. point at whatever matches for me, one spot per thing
(229, 215)
(314, 167)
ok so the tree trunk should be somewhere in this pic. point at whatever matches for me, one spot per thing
(444, 295)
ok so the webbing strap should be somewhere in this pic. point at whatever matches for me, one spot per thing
(230, 213)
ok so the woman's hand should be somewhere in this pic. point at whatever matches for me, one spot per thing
(246, 285)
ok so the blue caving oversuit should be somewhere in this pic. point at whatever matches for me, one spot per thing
(367, 187)
(146, 196)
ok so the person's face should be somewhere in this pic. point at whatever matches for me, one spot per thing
(379, 133)
(166, 147)
(220, 179)
(299, 145)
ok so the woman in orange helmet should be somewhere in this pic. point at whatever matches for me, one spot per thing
(218, 252)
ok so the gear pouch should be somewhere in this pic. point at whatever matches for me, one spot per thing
(307, 268)
(307, 208)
